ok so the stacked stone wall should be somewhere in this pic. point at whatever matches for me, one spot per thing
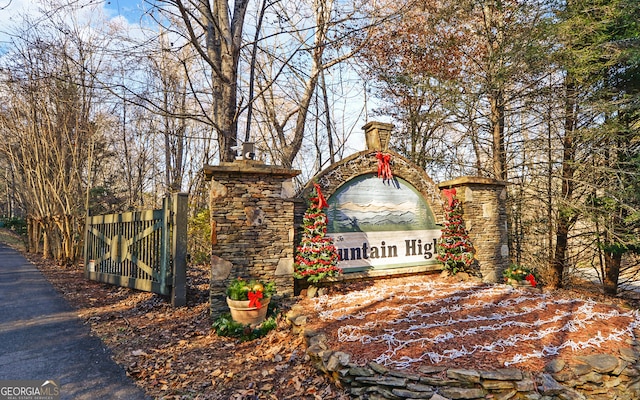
(252, 217)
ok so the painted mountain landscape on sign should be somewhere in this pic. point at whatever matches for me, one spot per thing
(368, 204)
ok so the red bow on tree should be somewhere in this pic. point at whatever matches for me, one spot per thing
(449, 193)
(322, 202)
(254, 299)
(384, 168)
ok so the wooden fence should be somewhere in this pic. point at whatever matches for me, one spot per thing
(144, 250)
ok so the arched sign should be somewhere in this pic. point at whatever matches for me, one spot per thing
(381, 224)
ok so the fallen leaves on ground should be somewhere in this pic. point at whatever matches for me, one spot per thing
(435, 320)
(173, 353)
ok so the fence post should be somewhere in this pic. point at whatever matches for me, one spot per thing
(165, 244)
(87, 224)
(179, 208)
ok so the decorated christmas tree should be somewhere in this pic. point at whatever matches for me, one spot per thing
(317, 256)
(455, 249)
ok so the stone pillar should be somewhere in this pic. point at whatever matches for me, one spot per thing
(377, 135)
(252, 226)
(484, 205)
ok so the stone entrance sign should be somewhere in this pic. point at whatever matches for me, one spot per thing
(382, 225)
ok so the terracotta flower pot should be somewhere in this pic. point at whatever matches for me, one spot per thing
(242, 313)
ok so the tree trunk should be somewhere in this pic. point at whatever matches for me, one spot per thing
(565, 216)
(327, 115)
(497, 126)
(46, 239)
(559, 258)
(223, 42)
(612, 262)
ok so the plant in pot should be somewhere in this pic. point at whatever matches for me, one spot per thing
(248, 300)
(517, 275)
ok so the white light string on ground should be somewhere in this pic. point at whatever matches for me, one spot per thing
(617, 335)
(374, 294)
(456, 299)
(499, 345)
(391, 337)
(347, 333)
(331, 307)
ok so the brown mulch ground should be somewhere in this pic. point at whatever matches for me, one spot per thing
(175, 354)
(440, 321)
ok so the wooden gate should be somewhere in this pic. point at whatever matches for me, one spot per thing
(144, 250)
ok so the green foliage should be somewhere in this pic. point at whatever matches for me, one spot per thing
(519, 273)
(568, 212)
(17, 225)
(104, 200)
(239, 288)
(226, 326)
(616, 209)
(584, 28)
(199, 233)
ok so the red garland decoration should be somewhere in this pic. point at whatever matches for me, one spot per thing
(384, 167)
(322, 202)
(449, 193)
(254, 299)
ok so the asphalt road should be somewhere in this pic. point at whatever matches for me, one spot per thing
(42, 338)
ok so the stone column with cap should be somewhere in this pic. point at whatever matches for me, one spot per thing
(252, 226)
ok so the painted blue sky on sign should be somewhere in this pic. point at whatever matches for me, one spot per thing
(368, 204)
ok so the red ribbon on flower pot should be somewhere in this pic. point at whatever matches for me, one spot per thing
(254, 299)
(531, 279)
(384, 166)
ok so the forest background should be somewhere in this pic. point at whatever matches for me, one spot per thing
(99, 115)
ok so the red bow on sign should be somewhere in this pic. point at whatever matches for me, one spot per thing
(384, 168)
(449, 193)
(322, 202)
(254, 299)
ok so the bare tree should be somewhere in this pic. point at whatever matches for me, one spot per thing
(221, 25)
(285, 61)
(49, 120)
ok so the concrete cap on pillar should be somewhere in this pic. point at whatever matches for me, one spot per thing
(377, 135)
